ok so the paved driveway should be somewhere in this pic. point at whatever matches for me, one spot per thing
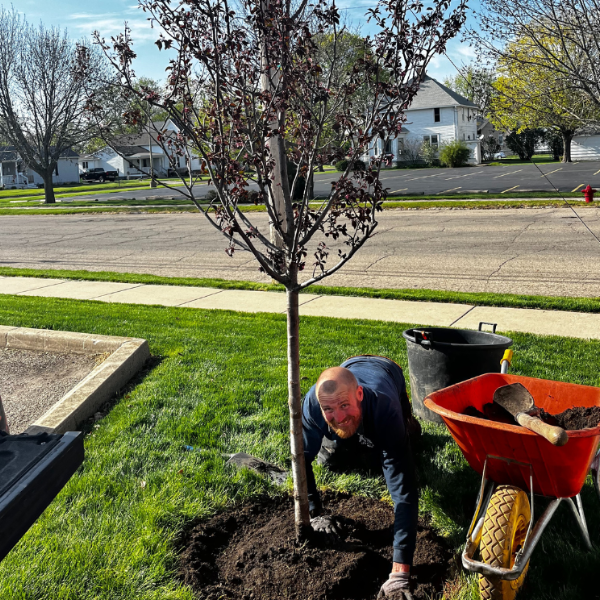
(536, 251)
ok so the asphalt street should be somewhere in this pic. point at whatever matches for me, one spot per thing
(516, 178)
(530, 251)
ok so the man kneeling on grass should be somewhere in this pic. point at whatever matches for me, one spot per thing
(358, 415)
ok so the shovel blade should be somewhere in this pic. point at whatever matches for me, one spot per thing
(515, 398)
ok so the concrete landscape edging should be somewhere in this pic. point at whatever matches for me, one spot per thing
(126, 357)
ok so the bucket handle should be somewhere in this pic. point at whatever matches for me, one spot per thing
(492, 325)
(423, 341)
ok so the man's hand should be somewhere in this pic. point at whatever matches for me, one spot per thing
(328, 524)
(397, 587)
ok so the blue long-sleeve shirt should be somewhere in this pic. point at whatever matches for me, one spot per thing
(382, 426)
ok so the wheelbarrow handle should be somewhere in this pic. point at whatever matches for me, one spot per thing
(492, 325)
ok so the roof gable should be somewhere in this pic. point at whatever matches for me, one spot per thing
(432, 94)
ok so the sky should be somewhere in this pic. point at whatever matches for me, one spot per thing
(82, 17)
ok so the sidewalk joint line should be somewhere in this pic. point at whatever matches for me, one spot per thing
(202, 297)
(133, 287)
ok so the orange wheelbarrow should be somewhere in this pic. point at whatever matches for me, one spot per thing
(513, 461)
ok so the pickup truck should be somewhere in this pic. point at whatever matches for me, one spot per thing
(99, 175)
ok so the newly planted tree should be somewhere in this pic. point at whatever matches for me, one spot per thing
(252, 95)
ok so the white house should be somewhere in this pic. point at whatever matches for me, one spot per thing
(131, 154)
(14, 171)
(586, 144)
(436, 115)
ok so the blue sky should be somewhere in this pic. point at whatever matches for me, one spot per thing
(81, 17)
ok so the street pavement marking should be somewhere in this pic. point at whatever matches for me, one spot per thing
(509, 189)
(578, 187)
(596, 173)
(450, 190)
(396, 191)
(505, 174)
(550, 173)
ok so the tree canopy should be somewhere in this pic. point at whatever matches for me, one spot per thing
(43, 94)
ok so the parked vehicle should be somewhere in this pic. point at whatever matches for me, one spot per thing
(99, 175)
(499, 155)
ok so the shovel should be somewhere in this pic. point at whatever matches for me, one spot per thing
(516, 399)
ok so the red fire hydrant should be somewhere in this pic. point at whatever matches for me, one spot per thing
(589, 193)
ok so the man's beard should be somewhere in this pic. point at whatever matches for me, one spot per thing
(349, 430)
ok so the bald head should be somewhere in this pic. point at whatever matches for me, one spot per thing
(340, 398)
(334, 379)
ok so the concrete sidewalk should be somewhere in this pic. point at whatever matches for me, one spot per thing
(543, 322)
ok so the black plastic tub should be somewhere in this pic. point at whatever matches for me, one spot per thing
(439, 357)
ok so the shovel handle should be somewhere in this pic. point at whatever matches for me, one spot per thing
(555, 435)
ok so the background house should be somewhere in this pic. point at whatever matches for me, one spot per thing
(437, 115)
(586, 144)
(130, 154)
(14, 171)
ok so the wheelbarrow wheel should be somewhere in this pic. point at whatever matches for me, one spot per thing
(504, 531)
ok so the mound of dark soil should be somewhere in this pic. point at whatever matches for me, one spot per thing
(250, 553)
(572, 419)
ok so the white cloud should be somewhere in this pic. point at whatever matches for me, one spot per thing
(112, 24)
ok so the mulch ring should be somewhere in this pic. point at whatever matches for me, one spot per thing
(250, 553)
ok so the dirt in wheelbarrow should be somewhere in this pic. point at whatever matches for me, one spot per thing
(572, 419)
(250, 553)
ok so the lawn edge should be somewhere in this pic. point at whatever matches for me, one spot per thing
(559, 303)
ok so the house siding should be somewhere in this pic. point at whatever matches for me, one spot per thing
(68, 172)
(585, 147)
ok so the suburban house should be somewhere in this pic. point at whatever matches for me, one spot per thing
(586, 144)
(436, 115)
(130, 155)
(15, 173)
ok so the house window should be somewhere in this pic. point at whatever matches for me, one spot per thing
(432, 139)
(388, 146)
(84, 165)
(464, 137)
(463, 114)
(501, 138)
(436, 115)
(400, 147)
(145, 162)
(469, 137)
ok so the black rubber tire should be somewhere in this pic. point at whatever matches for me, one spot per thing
(504, 530)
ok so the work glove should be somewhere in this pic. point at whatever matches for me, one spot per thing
(397, 587)
(328, 524)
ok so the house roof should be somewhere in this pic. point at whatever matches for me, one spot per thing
(131, 150)
(432, 94)
(9, 154)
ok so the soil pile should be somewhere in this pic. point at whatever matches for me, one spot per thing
(250, 553)
(572, 419)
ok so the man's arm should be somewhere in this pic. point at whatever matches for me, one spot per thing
(398, 470)
(312, 436)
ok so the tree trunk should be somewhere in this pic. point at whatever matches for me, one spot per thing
(49, 188)
(567, 137)
(301, 512)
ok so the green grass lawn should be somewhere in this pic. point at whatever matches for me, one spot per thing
(540, 159)
(113, 532)
(420, 295)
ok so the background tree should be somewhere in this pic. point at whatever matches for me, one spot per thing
(563, 33)
(523, 142)
(531, 97)
(42, 94)
(489, 147)
(474, 83)
(266, 99)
